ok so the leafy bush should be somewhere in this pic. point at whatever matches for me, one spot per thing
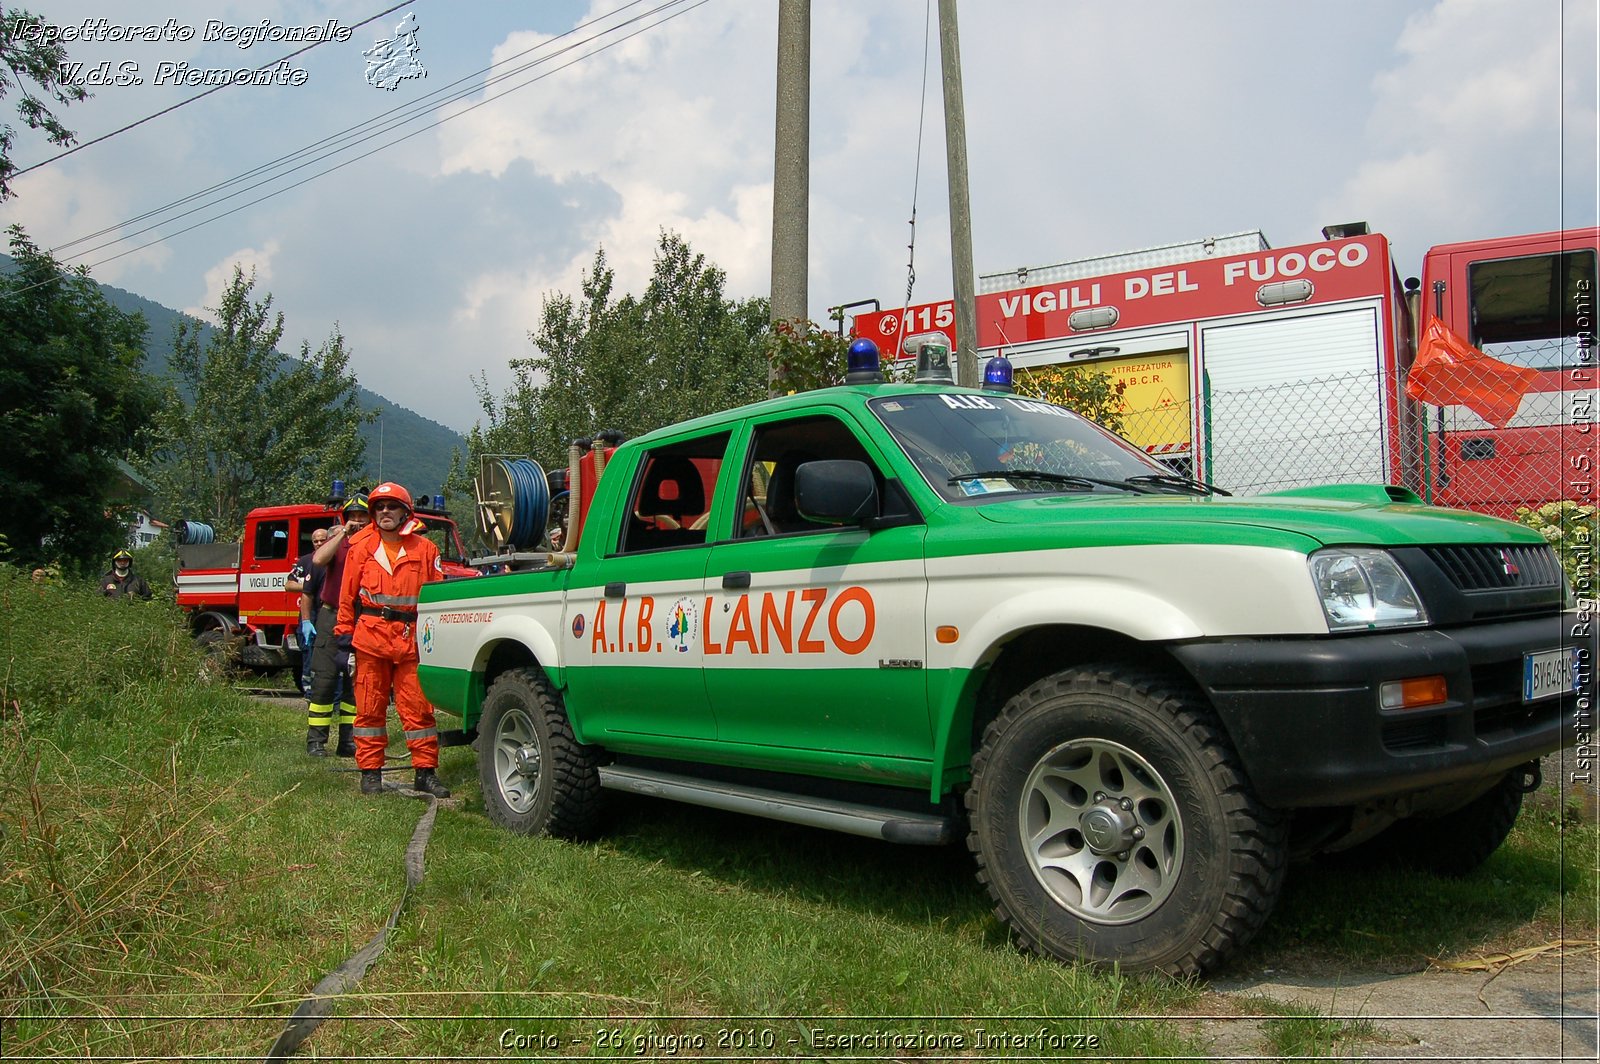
(1570, 527)
(1095, 394)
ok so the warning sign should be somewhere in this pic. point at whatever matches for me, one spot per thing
(1155, 400)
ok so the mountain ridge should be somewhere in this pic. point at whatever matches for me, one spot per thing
(421, 465)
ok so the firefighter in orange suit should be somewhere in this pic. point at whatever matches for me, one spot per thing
(388, 563)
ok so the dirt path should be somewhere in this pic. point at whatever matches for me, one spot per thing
(1539, 1008)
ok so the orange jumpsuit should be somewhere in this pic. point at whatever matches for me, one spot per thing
(378, 609)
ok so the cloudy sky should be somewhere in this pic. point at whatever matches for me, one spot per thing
(1093, 128)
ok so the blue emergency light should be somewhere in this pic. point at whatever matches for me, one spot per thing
(861, 363)
(997, 375)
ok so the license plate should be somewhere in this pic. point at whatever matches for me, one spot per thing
(1548, 673)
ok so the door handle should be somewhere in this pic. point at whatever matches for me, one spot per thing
(735, 581)
(616, 589)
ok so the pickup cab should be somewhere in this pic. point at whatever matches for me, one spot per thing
(931, 614)
(234, 593)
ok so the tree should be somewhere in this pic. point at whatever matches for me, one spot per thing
(30, 52)
(1094, 393)
(631, 364)
(261, 429)
(73, 402)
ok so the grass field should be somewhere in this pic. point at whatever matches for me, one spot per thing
(175, 875)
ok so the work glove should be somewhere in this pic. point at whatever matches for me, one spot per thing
(308, 635)
(341, 652)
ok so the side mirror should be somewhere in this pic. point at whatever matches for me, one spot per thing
(836, 492)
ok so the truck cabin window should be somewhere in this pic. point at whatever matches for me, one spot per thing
(1535, 311)
(980, 446)
(272, 540)
(671, 497)
(769, 505)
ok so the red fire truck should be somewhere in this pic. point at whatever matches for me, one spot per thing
(234, 592)
(1261, 369)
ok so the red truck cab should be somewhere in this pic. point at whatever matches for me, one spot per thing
(235, 591)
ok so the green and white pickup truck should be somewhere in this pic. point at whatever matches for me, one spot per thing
(929, 614)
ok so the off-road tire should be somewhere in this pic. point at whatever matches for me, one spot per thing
(537, 778)
(1458, 842)
(1204, 858)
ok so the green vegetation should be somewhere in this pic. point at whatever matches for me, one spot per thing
(1300, 1034)
(259, 430)
(1094, 393)
(169, 851)
(1574, 531)
(27, 55)
(630, 363)
(72, 404)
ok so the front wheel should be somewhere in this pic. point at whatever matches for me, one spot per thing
(537, 778)
(1113, 824)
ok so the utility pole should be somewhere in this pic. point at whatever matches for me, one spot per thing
(791, 171)
(955, 142)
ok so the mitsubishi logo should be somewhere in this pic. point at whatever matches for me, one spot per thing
(1508, 565)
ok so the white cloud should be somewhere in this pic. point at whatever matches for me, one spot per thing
(1469, 125)
(219, 276)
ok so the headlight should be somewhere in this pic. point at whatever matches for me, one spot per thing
(1363, 588)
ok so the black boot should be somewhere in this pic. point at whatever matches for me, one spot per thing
(372, 781)
(317, 740)
(347, 745)
(428, 783)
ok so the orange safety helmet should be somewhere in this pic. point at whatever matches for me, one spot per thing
(390, 490)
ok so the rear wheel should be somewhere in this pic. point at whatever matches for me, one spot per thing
(1458, 842)
(1112, 823)
(537, 778)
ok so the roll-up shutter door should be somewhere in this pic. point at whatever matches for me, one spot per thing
(1295, 402)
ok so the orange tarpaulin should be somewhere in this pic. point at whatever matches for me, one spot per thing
(1448, 371)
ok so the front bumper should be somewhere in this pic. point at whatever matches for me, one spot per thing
(1305, 719)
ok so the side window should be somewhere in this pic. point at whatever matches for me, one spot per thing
(272, 540)
(769, 508)
(1533, 311)
(671, 499)
(308, 526)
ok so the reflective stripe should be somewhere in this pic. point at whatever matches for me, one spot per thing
(318, 722)
(370, 732)
(319, 715)
(425, 733)
(389, 600)
(347, 713)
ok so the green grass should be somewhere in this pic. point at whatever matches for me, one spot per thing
(167, 850)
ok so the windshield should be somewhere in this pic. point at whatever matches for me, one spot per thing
(442, 531)
(968, 446)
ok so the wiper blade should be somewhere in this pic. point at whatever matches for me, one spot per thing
(1065, 480)
(1173, 480)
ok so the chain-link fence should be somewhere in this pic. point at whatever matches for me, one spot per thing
(1360, 428)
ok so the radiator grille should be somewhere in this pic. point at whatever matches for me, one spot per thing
(1498, 568)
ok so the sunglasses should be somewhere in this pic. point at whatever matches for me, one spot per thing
(381, 506)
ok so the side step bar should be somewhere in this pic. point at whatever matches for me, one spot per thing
(874, 822)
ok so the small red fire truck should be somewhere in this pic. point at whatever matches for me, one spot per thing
(235, 591)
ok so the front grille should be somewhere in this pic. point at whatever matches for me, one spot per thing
(1497, 568)
(1410, 736)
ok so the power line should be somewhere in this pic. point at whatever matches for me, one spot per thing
(390, 144)
(198, 96)
(418, 105)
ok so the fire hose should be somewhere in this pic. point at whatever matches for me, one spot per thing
(316, 1008)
